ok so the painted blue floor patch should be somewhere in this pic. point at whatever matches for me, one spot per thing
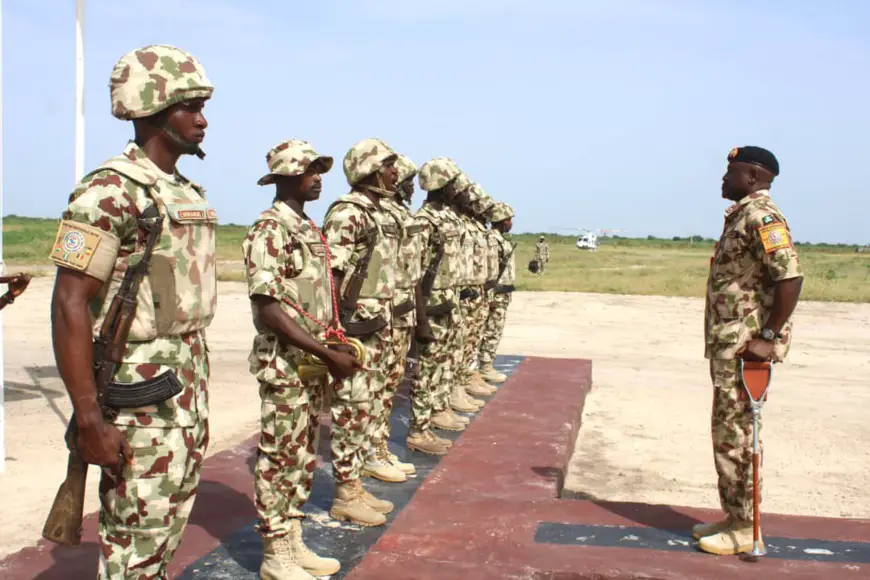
(682, 541)
(240, 555)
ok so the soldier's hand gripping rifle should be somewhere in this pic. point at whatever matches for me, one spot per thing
(354, 286)
(502, 266)
(64, 522)
(426, 284)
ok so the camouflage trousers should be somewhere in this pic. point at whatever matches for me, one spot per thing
(457, 335)
(287, 453)
(732, 440)
(475, 313)
(395, 374)
(355, 405)
(145, 510)
(493, 328)
(435, 371)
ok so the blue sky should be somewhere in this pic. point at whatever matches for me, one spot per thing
(579, 113)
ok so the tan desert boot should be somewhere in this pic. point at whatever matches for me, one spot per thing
(384, 454)
(462, 392)
(461, 419)
(311, 562)
(459, 403)
(446, 443)
(701, 530)
(444, 421)
(378, 467)
(381, 506)
(475, 389)
(279, 561)
(419, 442)
(491, 375)
(481, 382)
(349, 505)
(736, 539)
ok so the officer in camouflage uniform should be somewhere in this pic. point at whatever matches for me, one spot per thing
(356, 221)
(408, 273)
(753, 288)
(287, 267)
(501, 215)
(542, 254)
(150, 456)
(439, 234)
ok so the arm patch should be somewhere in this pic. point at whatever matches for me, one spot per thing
(774, 237)
(85, 248)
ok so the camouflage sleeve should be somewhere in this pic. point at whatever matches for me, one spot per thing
(774, 247)
(425, 234)
(343, 227)
(270, 257)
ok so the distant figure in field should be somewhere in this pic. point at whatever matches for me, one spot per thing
(542, 254)
(17, 285)
(753, 287)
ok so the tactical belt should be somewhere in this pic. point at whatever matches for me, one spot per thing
(440, 309)
(149, 392)
(403, 308)
(469, 294)
(507, 289)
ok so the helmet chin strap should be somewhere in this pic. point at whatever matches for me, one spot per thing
(187, 147)
(380, 190)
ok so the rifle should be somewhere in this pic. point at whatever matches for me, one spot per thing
(353, 288)
(426, 284)
(502, 266)
(64, 522)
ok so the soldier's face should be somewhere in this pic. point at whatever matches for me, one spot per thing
(187, 120)
(737, 181)
(389, 175)
(406, 189)
(508, 224)
(311, 185)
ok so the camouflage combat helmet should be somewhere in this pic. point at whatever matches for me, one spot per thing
(484, 201)
(364, 158)
(499, 212)
(406, 168)
(437, 172)
(293, 157)
(462, 183)
(153, 78)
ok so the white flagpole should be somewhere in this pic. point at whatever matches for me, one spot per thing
(80, 92)
(2, 268)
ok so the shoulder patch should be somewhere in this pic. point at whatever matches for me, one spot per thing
(768, 219)
(77, 244)
(774, 237)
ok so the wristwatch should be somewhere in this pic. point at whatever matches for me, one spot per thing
(768, 335)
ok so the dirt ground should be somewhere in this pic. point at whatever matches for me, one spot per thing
(645, 434)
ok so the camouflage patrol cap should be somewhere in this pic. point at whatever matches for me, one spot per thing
(437, 172)
(499, 212)
(364, 158)
(153, 78)
(406, 168)
(293, 157)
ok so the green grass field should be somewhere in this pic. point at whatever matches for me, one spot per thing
(619, 266)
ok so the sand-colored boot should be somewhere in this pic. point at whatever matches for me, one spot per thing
(385, 455)
(418, 441)
(381, 506)
(461, 419)
(350, 505)
(445, 421)
(459, 400)
(444, 442)
(491, 375)
(279, 561)
(475, 389)
(478, 380)
(311, 562)
(736, 539)
(379, 467)
(701, 530)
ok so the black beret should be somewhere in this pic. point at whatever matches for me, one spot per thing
(757, 155)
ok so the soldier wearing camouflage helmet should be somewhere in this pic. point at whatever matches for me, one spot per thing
(287, 268)
(501, 216)
(150, 455)
(440, 262)
(364, 240)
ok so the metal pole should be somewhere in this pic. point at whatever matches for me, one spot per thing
(757, 549)
(2, 268)
(80, 93)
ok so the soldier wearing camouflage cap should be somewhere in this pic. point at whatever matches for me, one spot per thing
(150, 455)
(440, 262)
(502, 286)
(364, 240)
(287, 268)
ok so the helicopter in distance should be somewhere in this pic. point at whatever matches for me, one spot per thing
(588, 238)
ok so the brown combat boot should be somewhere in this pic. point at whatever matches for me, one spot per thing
(279, 561)
(418, 441)
(350, 505)
(311, 562)
(446, 421)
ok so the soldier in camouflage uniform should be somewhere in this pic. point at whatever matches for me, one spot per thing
(501, 215)
(753, 288)
(287, 267)
(439, 236)
(405, 304)
(150, 456)
(356, 222)
(542, 254)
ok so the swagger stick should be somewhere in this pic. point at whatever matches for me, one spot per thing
(756, 380)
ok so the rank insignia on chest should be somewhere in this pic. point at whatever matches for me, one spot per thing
(317, 249)
(774, 237)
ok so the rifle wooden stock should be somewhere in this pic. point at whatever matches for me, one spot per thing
(64, 522)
